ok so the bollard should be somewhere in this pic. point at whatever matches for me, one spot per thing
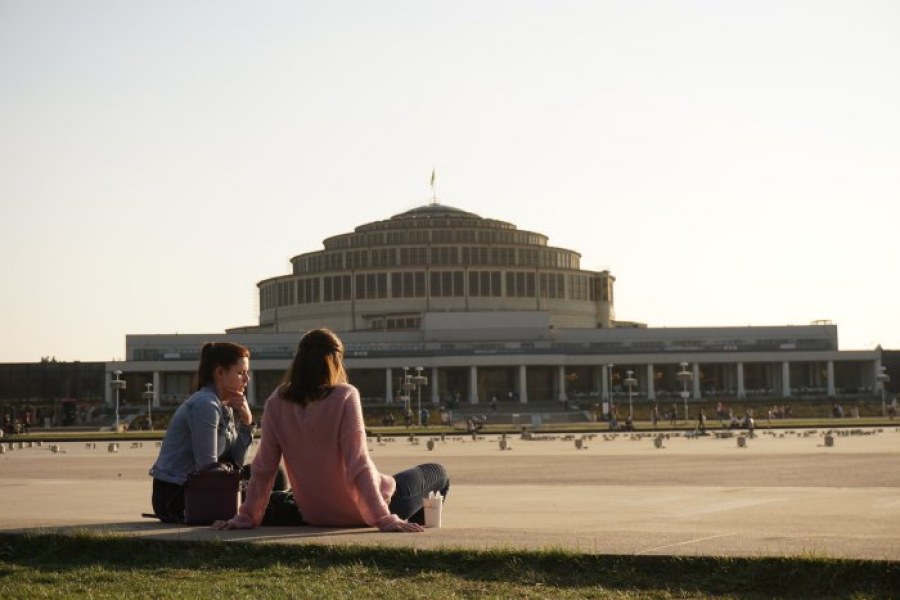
(2, 449)
(21, 445)
(742, 441)
(113, 447)
(54, 448)
(829, 440)
(658, 441)
(430, 444)
(443, 437)
(579, 444)
(31, 444)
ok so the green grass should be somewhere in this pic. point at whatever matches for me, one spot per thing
(103, 566)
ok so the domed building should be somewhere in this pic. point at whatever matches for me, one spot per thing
(481, 311)
(388, 275)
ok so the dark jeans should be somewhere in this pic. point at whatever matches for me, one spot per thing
(168, 501)
(413, 486)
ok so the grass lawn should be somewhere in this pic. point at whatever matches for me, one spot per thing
(101, 566)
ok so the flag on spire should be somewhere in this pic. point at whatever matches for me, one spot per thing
(433, 195)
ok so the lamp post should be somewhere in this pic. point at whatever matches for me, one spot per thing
(684, 376)
(883, 378)
(117, 384)
(407, 386)
(419, 380)
(630, 382)
(610, 386)
(148, 396)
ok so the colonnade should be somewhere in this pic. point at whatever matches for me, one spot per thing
(776, 381)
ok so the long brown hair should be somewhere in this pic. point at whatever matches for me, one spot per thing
(318, 366)
(217, 354)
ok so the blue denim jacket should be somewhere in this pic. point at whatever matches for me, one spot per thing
(202, 431)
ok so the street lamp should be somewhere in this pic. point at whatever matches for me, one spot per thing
(148, 396)
(419, 380)
(630, 382)
(609, 383)
(407, 386)
(684, 376)
(883, 378)
(117, 384)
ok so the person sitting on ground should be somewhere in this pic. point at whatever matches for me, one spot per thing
(314, 423)
(212, 429)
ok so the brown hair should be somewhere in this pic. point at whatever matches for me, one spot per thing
(217, 354)
(318, 366)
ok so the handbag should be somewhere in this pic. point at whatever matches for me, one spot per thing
(211, 495)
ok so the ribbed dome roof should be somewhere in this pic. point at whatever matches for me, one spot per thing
(433, 215)
(433, 210)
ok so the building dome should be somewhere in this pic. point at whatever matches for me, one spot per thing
(433, 258)
(435, 209)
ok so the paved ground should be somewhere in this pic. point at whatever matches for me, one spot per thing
(784, 494)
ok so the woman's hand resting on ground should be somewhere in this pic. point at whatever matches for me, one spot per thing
(405, 527)
(226, 525)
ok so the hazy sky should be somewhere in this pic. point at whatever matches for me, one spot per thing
(732, 163)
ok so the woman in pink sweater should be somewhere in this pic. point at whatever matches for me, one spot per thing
(314, 421)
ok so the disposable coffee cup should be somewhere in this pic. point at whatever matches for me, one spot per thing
(433, 506)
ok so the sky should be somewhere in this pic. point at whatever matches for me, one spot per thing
(731, 163)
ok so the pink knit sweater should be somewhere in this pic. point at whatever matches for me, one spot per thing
(334, 480)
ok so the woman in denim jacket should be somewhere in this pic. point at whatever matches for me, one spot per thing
(211, 429)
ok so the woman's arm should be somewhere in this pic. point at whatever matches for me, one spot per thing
(203, 424)
(237, 454)
(362, 473)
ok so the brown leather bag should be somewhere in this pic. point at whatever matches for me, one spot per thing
(211, 495)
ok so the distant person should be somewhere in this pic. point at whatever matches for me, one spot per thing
(314, 422)
(892, 409)
(212, 429)
(425, 415)
(654, 416)
(749, 422)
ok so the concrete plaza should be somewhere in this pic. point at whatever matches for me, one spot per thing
(785, 493)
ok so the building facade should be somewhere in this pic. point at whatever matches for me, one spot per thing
(488, 311)
(388, 274)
